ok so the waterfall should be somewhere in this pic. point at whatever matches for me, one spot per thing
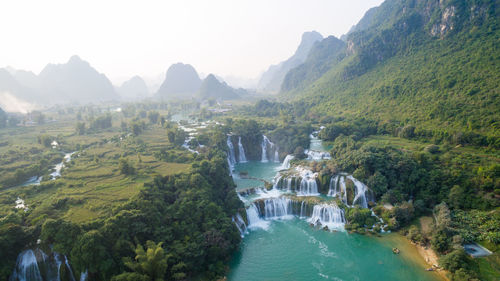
(84, 275)
(308, 186)
(254, 220)
(26, 268)
(276, 182)
(58, 264)
(241, 152)
(230, 147)
(328, 215)
(35, 265)
(317, 155)
(240, 224)
(289, 184)
(303, 210)
(266, 143)
(360, 193)
(343, 190)
(71, 276)
(333, 190)
(265, 140)
(286, 162)
(59, 166)
(277, 208)
(285, 183)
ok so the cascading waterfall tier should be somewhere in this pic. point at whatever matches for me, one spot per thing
(302, 181)
(241, 152)
(240, 224)
(269, 151)
(360, 195)
(231, 155)
(35, 265)
(286, 162)
(279, 208)
(317, 155)
(329, 216)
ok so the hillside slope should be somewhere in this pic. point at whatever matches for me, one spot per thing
(273, 77)
(431, 64)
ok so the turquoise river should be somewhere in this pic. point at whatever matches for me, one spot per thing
(290, 249)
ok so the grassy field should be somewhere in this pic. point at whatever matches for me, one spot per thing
(91, 183)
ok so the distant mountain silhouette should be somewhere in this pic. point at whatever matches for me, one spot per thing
(271, 79)
(133, 89)
(9, 84)
(213, 88)
(181, 81)
(75, 81)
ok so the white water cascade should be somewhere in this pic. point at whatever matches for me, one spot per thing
(240, 224)
(241, 152)
(278, 208)
(27, 268)
(338, 189)
(35, 265)
(231, 158)
(333, 188)
(264, 143)
(84, 275)
(58, 167)
(317, 155)
(254, 220)
(328, 215)
(343, 190)
(360, 193)
(286, 162)
(308, 185)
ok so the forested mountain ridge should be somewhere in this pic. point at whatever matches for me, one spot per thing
(323, 55)
(272, 78)
(425, 63)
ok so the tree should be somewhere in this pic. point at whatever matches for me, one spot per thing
(3, 118)
(125, 167)
(102, 122)
(61, 234)
(441, 240)
(137, 126)
(80, 128)
(414, 234)
(442, 215)
(38, 117)
(457, 197)
(45, 140)
(90, 253)
(151, 263)
(378, 183)
(153, 117)
(455, 260)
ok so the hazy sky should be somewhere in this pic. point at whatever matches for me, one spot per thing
(123, 38)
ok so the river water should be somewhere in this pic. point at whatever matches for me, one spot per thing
(290, 249)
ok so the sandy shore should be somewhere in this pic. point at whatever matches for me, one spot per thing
(431, 259)
(414, 253)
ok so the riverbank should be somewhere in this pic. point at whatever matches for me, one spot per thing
(431, 259)
(420, 256)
